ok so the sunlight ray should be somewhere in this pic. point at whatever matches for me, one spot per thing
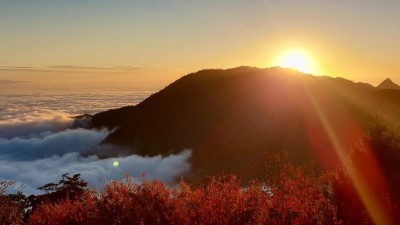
(363, 183)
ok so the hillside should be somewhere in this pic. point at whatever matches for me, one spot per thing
(231, 118)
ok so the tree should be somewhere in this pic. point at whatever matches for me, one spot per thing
(11, 205)
(71, 187)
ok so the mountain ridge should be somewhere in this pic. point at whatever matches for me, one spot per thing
(232, 118)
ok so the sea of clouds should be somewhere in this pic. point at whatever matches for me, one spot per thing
(38, 144)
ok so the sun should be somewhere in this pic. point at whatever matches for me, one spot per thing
(297, 59)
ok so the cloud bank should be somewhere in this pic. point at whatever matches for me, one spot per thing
(71, 140)
(95, 171)
(37, 149)
(35, 124)
(59, 106)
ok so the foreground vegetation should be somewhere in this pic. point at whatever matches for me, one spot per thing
(291, 199)
(364, 190)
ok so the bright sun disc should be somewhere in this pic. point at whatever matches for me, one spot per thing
(297, 60)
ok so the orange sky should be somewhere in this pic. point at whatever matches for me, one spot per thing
(151, 43)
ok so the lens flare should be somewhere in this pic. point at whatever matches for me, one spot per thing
(366, 177)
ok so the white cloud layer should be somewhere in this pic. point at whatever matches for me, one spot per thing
(70, 140)
(32, 124)
(95, 171)
(36, 148)
(33, 106)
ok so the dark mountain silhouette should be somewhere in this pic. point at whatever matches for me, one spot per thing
(232, 118)
(388, 84)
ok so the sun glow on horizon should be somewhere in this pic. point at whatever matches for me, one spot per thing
(297, 59)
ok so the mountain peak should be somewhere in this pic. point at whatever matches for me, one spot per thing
(388, 84)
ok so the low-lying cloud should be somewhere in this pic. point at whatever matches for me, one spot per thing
(59, 107)
(37, 149)
(95, 171)
(71, 140)
(35, 124)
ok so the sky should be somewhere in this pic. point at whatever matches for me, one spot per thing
(150, 43)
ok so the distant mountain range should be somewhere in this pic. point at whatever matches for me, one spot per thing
(232, 118)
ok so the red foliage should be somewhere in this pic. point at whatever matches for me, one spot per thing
(293, 198)
(79, 211)
(362, 192)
